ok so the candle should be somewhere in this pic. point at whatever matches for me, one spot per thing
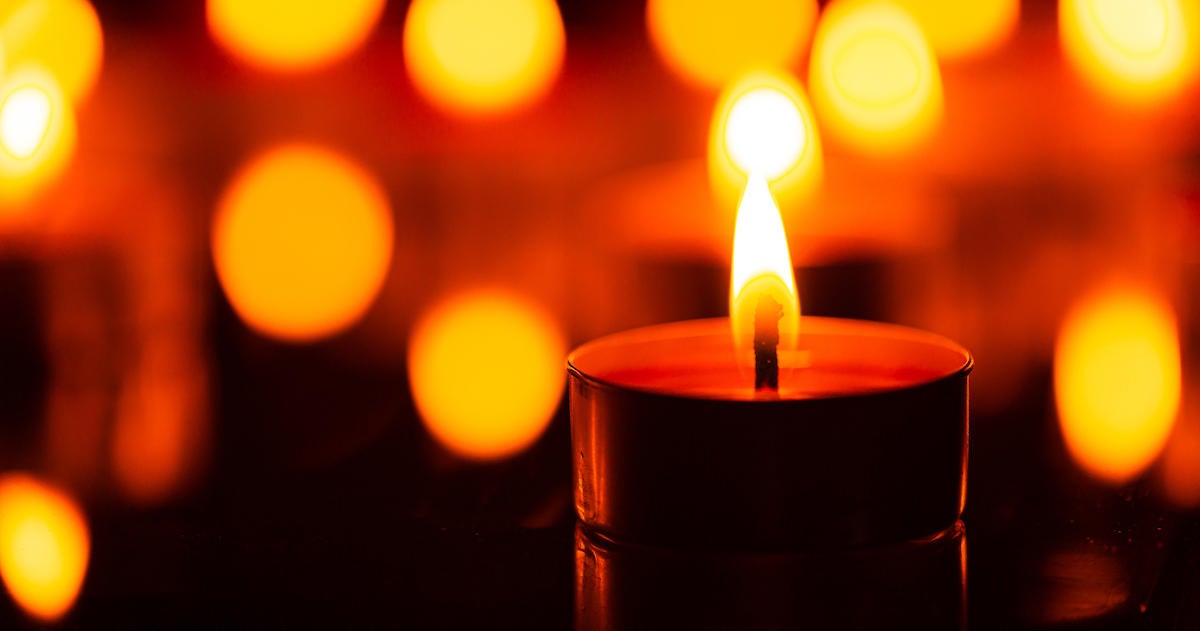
(766, 431)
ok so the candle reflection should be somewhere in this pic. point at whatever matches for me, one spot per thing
(915, 585)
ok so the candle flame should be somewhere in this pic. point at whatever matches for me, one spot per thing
(762, 266)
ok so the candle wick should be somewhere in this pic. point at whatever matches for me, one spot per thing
(766, 343)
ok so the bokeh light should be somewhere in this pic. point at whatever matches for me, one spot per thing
(873, 77)
(960, 30)
(291, 35)
(1134, 51)
(44, 546)
(478, 57)
(1181, 464)
(1117, 381)
(487, 373)
(37, 135)
(763, 124)
(765, 133)
(62, 36)
(159, 438)
(712, 42)
(302, 241)
(24, 120)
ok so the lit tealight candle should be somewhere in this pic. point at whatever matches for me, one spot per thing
(779, 433)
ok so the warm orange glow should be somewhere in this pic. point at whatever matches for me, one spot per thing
(1181, 464)
(44, 546)
(1117, 381)
(302, 241)
(873, 77)
(477, 57)
(762, 266)
(62, 36)
(160, 431)
(960, 30)
(37, 134)
(1134, 51)
(487, 373)
(763, 125)
(291, 35)
(24, 121)
(712, 42)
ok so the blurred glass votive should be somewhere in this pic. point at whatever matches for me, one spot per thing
(914, 585)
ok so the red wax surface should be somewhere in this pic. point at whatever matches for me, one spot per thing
(836, 358)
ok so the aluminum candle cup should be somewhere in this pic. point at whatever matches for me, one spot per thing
(865, 444)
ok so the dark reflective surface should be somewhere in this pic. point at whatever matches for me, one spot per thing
(915, 585)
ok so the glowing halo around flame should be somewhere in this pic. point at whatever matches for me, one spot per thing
(873, 78)
(44, 546)
(1136, 52)
(1117, 381)
(762, 124)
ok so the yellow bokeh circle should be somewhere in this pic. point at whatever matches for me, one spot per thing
(487, 373)
(964, 29)
(1135, 52)
(62, 36)
(1117, 381)
(292, 35)
(44, 546)
(712, 42)
(37, 136)
(478, 57)
(302, 241)
(873, 77)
